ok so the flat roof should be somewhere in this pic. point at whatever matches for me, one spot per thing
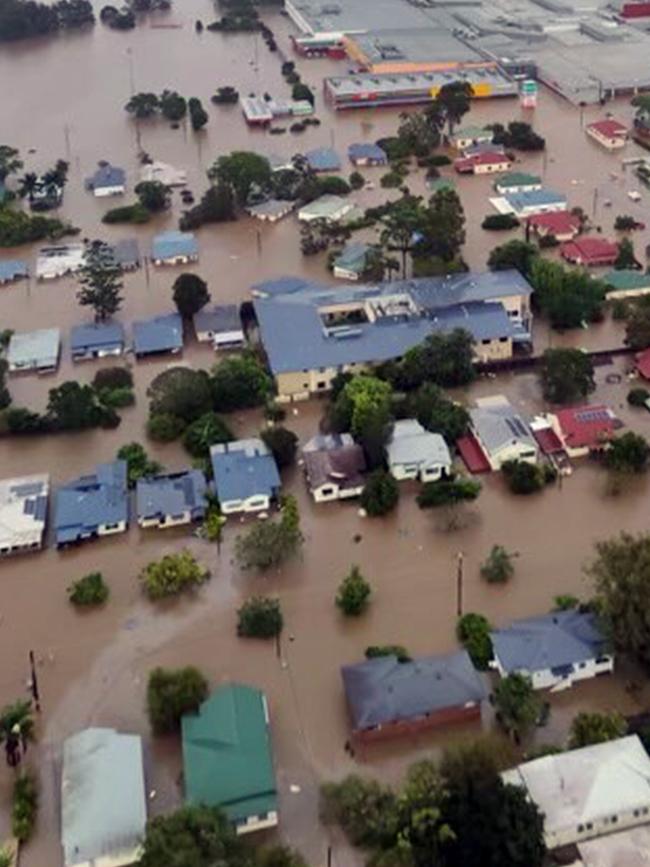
(23, 510)
(386, 83)
(97, 335)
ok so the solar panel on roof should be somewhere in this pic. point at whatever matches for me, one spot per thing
(29, 489)
(588, 415)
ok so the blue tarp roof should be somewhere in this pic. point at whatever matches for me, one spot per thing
(323, 160)
(171, 494)
(243, 469)
(10, 269)
(367, 151)
(159, 334)
(98, 335)
(90, 501)
(168, 245)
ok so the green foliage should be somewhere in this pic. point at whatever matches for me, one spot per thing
(628, 453)
(500, 221)
(522, 477)
(198, 115)
(362, 406)
(213, 524)
(446, 492)
(499, 567)
(208, 430)
(267, 544)
(596, 728)
(446, 360)
(25, 807)
(516, 703)
(240, 382)
(452, 103)
(380, 494)
(89, 591)
(117, 398)
(190, 294)
(172, 105)
(194, 836)
(225, 96)
(473, 632)
(72, 406)
(217, 205)
(17, 227)
(566, 375)
(241, 170)
(10, 161)
(136, 214)
(638, 396)
(356, 181)
(283, 444)
(260, 617)
(172, 693)
(391, 180)
(418, 135)
(164, 427)
(21, 421)
(143, 105)
(182, 392)
(353, 594)
(152, 195)
(516, 254)
(20, 20)
(6, 858)
(569, 297)
(375, 650)
(626, 258)
(331, 185)
(139, 465)
(17, 717)
(518, 135)
(172, 575)
(100, 280)
(565, 602)
(437, 413)
(302, 91)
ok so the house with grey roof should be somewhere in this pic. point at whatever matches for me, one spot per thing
(502, 433)
(334, 467)
(386, 697)
(174, 248)
(220, 325)
(555, 650)
(158, 335)
(126, 253)
(246, 476)
(323, 160)
(92, 506)
(96, 340)
(106, 181)
(171, 499)
(103, 800)
(34, 350)
(328, 209)
(415, 453)
(351, 261)
(12, 269)
(23, 513)
(312, 332)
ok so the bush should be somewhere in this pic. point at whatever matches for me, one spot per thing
(333, 186)
(206, 431)
(500, 221)
(522, 477)
(473, 632)
(353, 594)
(283, 444)
(391, 180)
(20, 420)
(596, 728)
(260, 617)
(135, 214)
(376, 650)
(171, 693)
(380, 494)
(112, 378)
(356, 181)
(274, 412)
(547, 242)
(439, 160)
(116, 398)
(173, 574)
(240, 382)
(267, 544)
(565, 602)
(25, 807)
(447, 492)
(89, 590)
(138, 464)
(638, 396)
(164, 427)
(498, 568)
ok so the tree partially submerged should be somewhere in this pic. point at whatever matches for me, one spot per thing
(260, 617)
(353, 593)
(171, 693)
(566, 375)
(100, 280)
(267, 544)
(517, 704)
(473, 632)
(596, 728)
(173, 574)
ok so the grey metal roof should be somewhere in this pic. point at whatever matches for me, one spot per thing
(549, 641)
(367, 151)
(34, 347)
(84, 504)
(94, 336)
(11, 269)
(244, 468)
(106, 176)
(498, 424)
(126, 252)
(103, 806)
(352, 256)
(159, 334)
(283, 286)
(169, 245)
(382, 690)
(323, 160)
(220, 318)
(171, 494)
(410, 443)
(342, 464)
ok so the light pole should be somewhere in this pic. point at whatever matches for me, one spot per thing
(459, 585)
(33, 684)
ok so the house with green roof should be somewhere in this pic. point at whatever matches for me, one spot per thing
(626, 283)
(227, 757)
(517, 182)
(471, 135)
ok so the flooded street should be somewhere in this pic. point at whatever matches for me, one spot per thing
(65, 97)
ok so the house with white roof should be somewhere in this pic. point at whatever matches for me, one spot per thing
(329, 208)
(59, 260)
(23, 513)
(34, 350)
(589, 792)
(502, 432)
(416, 453)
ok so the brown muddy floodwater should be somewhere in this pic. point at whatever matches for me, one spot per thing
(64, 97)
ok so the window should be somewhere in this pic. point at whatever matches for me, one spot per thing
(589, 826)
(321, 384)
(326, 492)
(614, 820)
(582, 665)
(580, 829)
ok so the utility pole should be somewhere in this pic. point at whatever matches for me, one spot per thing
(459, 585)
(33, 685)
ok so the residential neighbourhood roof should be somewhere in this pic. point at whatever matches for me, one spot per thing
(497, 424)
(590, 250)
(164, 173)
(58, 259)
(106, 176)
(474, 132)
(23, 509)
(218, 319)
(126, 252)
(171, 494)
(411, 443)
(550, 641)
(352, 257)
(11, 269)
(283, 286)
(587, 426)
(626, 280)
(88, 502)
(629, 848)
(517, 179)
(323, 160)
(383, 690)
(483, 158)
(169, 245)
(33, 347)
(642, 361)
(608, 127)
(534, 198)
(227, 758)
(243, 469)
(556, 223)
(158, 334)
(337, 460)
(103, 806)
(96, 336)
(367, 151)
(324, 207)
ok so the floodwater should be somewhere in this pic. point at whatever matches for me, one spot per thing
(64, 97)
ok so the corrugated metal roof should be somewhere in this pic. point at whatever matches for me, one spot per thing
(88, 502)
(94, 336)
(159, 334)
(243, 469)
(172, 494)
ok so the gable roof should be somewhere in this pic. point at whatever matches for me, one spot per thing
(498, 424)
(382, 690)
(168, 245)
(481, 158)
(367, 151)
(97, 335)
(126, 252)
(628, 848)
(158, 334)
(33, 347)
(106, 176)
(550, 641)
(171, 494)
(626, 279)
(353, 256)
(323, 160)
(227, 757)
(609, 128)
(243, 469)
(342, 463)
(411, 443)
(11, 269)
(557, 222)
(85, 503)
(590, 249)
(220, 318)
(103, 807)
(586, 426)
(517, 179)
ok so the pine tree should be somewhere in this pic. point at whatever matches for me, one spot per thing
(101, 281)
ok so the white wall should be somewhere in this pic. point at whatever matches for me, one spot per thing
(257, 503)
(545, 679)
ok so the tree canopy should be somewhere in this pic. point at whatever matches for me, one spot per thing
(446, 360)
(267, 544)
(190, 294)
(566, 375)
(240, 382)
(569, 297)
(517, 704)
(100, 280)
(171, 693)
(628, 454)
(353, 593)
(182, 392)
(241, 171)
(380, 494)
(516, 254)
(193, 836)
(596, 728)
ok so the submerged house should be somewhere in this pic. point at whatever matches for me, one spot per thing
(609, 133)
(12, 269)
(174, 248)
(59, 260)
(220, 325)
(246, 476)
(323, 160)
(96, 340)
(351, 262)
(172, 499)
(158, 335)
(501, 432)
(584, 429)
(590, 252)
(367, 154)
(334, 467)
(107, 181)
(416, 453)
(34, 350)
(93, 505)
(23, 513)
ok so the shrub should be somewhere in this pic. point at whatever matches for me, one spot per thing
(353, 594)
(596, 728)
(547, 242)
(333, 186)
(283, 444)
(89, 590)
(356, 181)
(20, 420)
(240, 382)
(500, 221)
(173, 574)
(25, 807)
(274, 412)
(522, 477)
(439, 160)
(260, 617)
(206, 431)
(391, 180)
(376, 650)
(473, 632)
(447, 492)
(565, 602)
(135, 214)
(112, 377)
(164, 427)
(498, 568)
(116, 398)
(380, 494)
(638, 396)
(171, 693)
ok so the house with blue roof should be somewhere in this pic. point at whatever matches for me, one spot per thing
(171, 500)
(220, 325)
(367, 154)
(323, 160)
(312, 333)
(96, 340)
(246, 476)
(12, 269)
(554, 650)
(174, 248)
(527, 204)
(158, 335)
(107, 181)
(93, 505)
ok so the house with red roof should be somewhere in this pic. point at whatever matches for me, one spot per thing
(483, 163)
(585, 429)
(561, 225)
(590, 252)
(609, 133)
(642, 361)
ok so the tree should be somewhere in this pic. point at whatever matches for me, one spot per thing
(181, 392)
(499, 566)
(143, 105)
(353, 594)
(566, 375)
(356, 181)
(260, 617)
(522, 477)
(25, 807)
(190, 294)
(283, 444)
(397, 650)
(28, 185)
(241, 170)
(194, 836)
(164, 427)
(17, 729)
(443, 228)
(138, 463)
(365, 810)
(473, 632)
(89, 591)
(172, 693)
(279, 856)
(152, 195)
(10, 162)
(514, 254)
(363, 407)
(437, 413)
(420, 132)
(628, 454)
(198, 115)
(637, 328)
(401, 222)
(453, 102)
(71, 406)
(268, 544)
(447, 492)
(626, 258)
(638, 396)
(172, 574)
(208, 430)
(302, 91)
(172, 105)
(240, 382)
(100, 279)
(217, 205)
(444, 359)
(516, 703)
(596, 728)
(568, 297)
(225, 96)
(380, 494)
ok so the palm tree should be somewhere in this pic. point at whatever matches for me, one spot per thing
(16, 730)
(28, 185)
